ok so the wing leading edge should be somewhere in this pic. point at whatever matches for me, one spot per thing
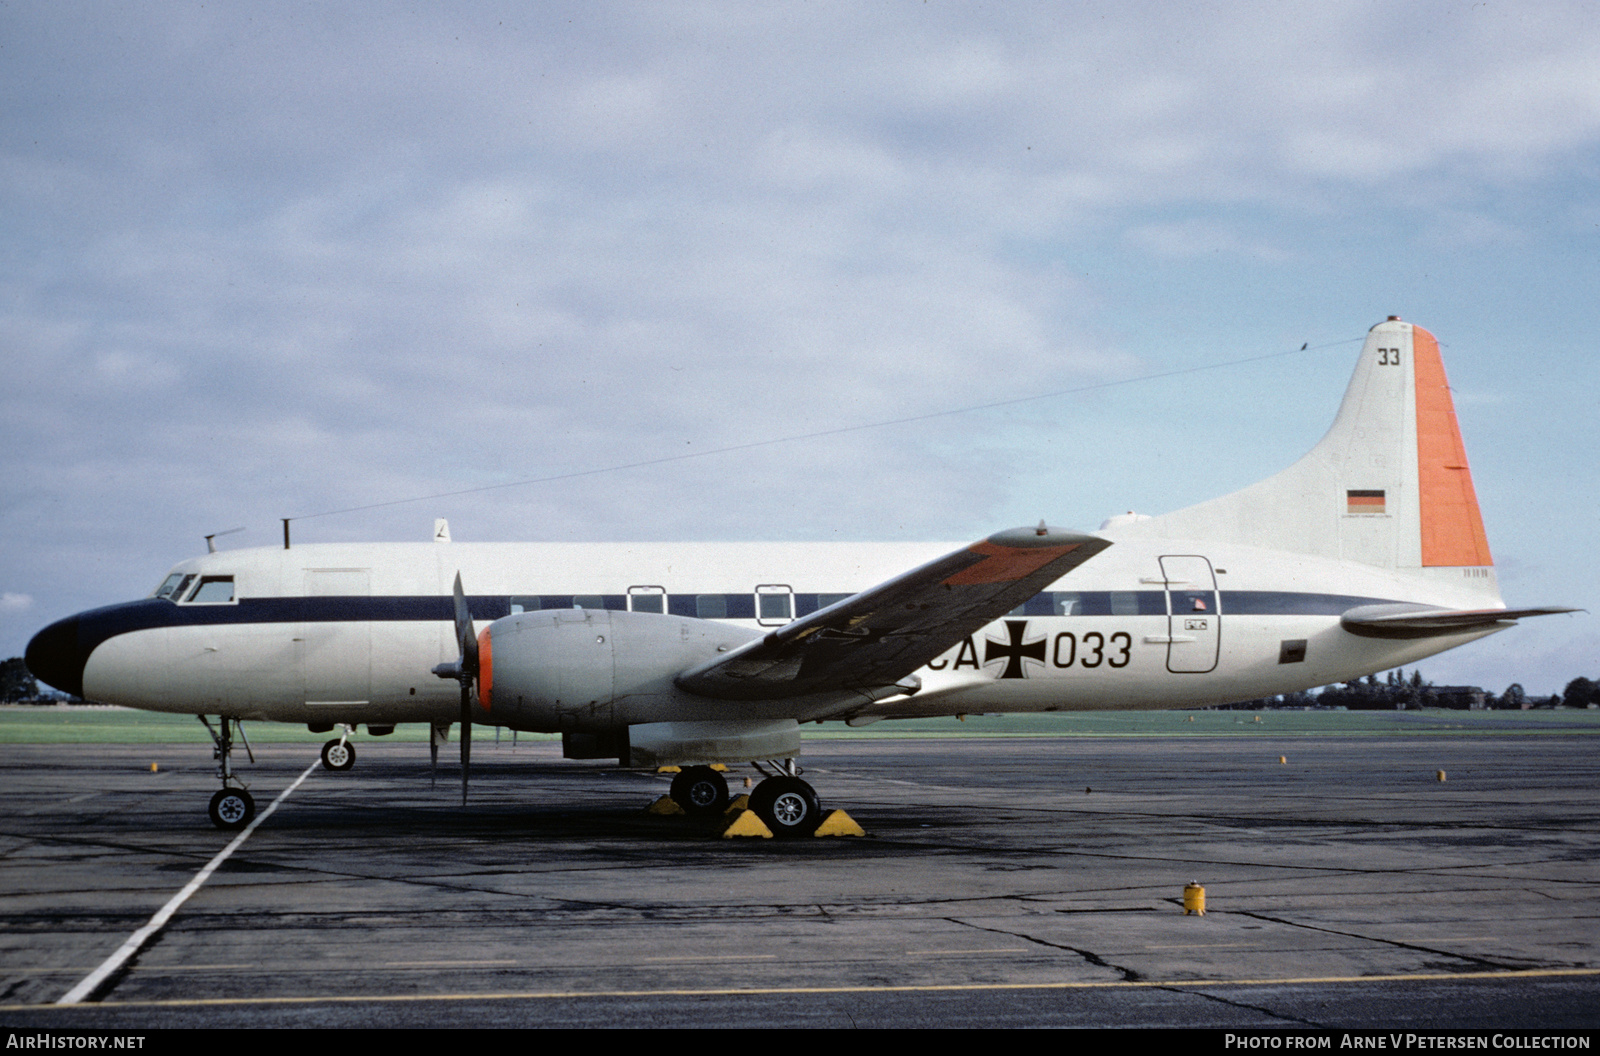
(878, 637)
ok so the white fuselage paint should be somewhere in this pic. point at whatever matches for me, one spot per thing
(377, 670)
(1231, 599)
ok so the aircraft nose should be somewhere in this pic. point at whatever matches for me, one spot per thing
(55, 657)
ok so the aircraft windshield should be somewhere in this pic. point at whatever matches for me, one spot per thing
(173, 586)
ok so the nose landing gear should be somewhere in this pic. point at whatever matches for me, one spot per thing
(232, 807)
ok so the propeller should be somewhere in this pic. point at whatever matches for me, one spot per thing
(463, 670)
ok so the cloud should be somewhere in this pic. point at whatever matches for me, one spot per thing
(269, 261)
(1192, 238)
(13, 602)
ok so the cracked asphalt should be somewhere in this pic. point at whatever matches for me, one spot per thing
(1004, 882)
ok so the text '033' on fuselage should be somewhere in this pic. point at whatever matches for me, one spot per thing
(1366, 554)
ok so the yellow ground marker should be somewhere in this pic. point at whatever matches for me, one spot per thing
(665, 805)
(1194, 899)
(747, 824)
(839, 823)
(1441, 775)
(669, 769)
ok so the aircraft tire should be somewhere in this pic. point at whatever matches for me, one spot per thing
(787, 805)
(700, 791)
(232, 808)
(338, 755)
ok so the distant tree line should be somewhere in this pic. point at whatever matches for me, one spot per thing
(16, 682)
(1397, 692)
(1581, 693)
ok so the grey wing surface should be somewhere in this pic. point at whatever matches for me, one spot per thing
(878, 637)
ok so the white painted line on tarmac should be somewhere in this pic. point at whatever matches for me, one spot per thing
(137, 940)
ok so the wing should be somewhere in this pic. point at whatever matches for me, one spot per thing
(1419, 621)
(878, 637)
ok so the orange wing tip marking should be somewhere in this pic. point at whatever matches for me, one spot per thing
(485, 668)
(1006, 564)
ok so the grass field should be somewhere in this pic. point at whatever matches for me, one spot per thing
(105, 725)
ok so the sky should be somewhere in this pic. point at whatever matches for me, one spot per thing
(266, 260)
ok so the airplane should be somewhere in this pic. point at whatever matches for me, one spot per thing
(1366, 554)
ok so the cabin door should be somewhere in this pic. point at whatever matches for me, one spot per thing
(1194, 627)
(336, 637)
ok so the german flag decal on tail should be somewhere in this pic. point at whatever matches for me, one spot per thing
(1364, 502)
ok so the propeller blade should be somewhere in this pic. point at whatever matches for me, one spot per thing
(463, 670)
(466, 737)
(433, 756)
(465, 638)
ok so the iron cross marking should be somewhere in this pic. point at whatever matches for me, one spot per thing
(1014, 651)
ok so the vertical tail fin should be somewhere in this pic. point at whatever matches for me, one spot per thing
(1451, 528)
(1387, 486)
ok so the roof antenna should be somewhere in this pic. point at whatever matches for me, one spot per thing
(286, 533)
(211, 546)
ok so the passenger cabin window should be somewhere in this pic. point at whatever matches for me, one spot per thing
(213, 590)
(647, 599)
(525, 604)
(774, 604)
(711, 606)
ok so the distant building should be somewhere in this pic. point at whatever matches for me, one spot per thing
(1459, 698)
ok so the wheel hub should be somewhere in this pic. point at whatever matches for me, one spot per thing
(789, 808)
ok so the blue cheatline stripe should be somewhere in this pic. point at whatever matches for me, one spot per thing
(98, 625)
(1286, 603)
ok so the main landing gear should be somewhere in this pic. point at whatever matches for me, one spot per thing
(700, 791)
(785, 804)
(232, 807)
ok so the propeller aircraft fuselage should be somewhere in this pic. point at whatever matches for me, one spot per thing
(1367, 554)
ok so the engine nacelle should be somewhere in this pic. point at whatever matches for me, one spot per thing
(563, 670)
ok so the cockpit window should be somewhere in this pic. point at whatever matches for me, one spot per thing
(213, 590)
(175, 586)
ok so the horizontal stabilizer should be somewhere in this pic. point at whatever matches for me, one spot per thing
(878, 637)
(1420, 621)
